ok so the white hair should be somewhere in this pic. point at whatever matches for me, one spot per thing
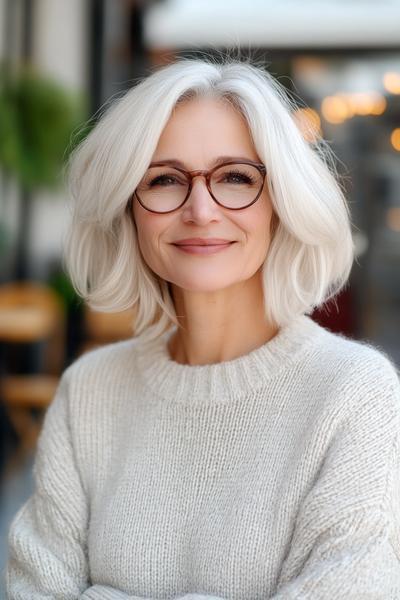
(311, 250)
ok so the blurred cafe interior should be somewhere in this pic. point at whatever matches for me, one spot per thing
(62, 61)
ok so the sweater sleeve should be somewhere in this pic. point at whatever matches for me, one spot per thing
(47, 537)
(47, 554)
(103, 592)
(346, 540)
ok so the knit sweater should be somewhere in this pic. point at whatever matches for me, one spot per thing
(275, 475)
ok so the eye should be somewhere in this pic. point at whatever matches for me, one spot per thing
(238, 177)
(165, 180)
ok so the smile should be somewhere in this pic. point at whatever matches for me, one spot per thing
(203, 249)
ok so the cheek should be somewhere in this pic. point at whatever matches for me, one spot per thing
(149, 231)
(257, 225)
(148, 246)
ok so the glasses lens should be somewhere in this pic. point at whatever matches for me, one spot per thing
(236, 185)
(162, 189)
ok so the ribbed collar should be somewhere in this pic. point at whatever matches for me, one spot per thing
(227, 379)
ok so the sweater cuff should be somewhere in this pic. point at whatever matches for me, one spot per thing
(104, 592)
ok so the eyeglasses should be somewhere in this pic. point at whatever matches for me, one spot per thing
(233, 185)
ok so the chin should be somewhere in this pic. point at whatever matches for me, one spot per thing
(204, 285)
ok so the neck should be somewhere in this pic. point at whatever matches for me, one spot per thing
(220, 326)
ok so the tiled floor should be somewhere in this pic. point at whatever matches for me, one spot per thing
(15, 490)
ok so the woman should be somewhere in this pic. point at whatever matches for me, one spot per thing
(233, 448)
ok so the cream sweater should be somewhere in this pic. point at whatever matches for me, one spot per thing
(275, 475)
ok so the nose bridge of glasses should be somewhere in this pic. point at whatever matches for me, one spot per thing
(199, 173)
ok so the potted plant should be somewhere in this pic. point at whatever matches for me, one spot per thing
(39, 126)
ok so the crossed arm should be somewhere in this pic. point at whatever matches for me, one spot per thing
(346, 540)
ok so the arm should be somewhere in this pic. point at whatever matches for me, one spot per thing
(346, 541)
(47, 537)
(101, 592)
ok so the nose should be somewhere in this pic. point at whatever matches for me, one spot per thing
(200, 207)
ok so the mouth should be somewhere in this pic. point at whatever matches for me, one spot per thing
(203, 245)
(203, 248)
(203, 242)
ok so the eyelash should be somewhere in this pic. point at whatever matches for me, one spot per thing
(230, 173)
(249, 177)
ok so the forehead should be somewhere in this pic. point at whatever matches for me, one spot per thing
(201, 127)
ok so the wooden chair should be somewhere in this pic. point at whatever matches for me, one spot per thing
(102, 328)
(31, 312)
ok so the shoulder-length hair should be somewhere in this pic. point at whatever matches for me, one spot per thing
(311, 251)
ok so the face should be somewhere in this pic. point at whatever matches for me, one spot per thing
(198, 132)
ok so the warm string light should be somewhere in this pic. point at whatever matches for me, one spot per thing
(342, 106)
(395, 139)
(309, 123)
(391, 81)
(339, 107)
(393, 213)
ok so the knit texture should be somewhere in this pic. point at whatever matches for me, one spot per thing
(275, 475)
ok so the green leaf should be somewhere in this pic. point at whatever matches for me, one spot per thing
(38, 120)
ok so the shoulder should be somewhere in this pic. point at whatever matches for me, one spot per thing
(92, 387)
(95, 377)
(355, 372)
(356, 359)
(102, 363)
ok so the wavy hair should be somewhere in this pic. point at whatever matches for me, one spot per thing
(311, 251)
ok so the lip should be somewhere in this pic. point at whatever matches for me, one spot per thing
(202, 242)
(203, 248)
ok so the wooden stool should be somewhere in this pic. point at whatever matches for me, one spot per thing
(104, 328)
(31, 312)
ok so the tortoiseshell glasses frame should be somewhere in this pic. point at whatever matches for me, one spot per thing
(190, 175)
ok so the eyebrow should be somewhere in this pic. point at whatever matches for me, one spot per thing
(218, 161)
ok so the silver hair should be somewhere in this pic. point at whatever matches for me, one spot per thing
(311, 251)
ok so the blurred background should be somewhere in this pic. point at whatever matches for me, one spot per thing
(61, 61)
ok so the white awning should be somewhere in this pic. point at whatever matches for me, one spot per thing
(273, 23)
